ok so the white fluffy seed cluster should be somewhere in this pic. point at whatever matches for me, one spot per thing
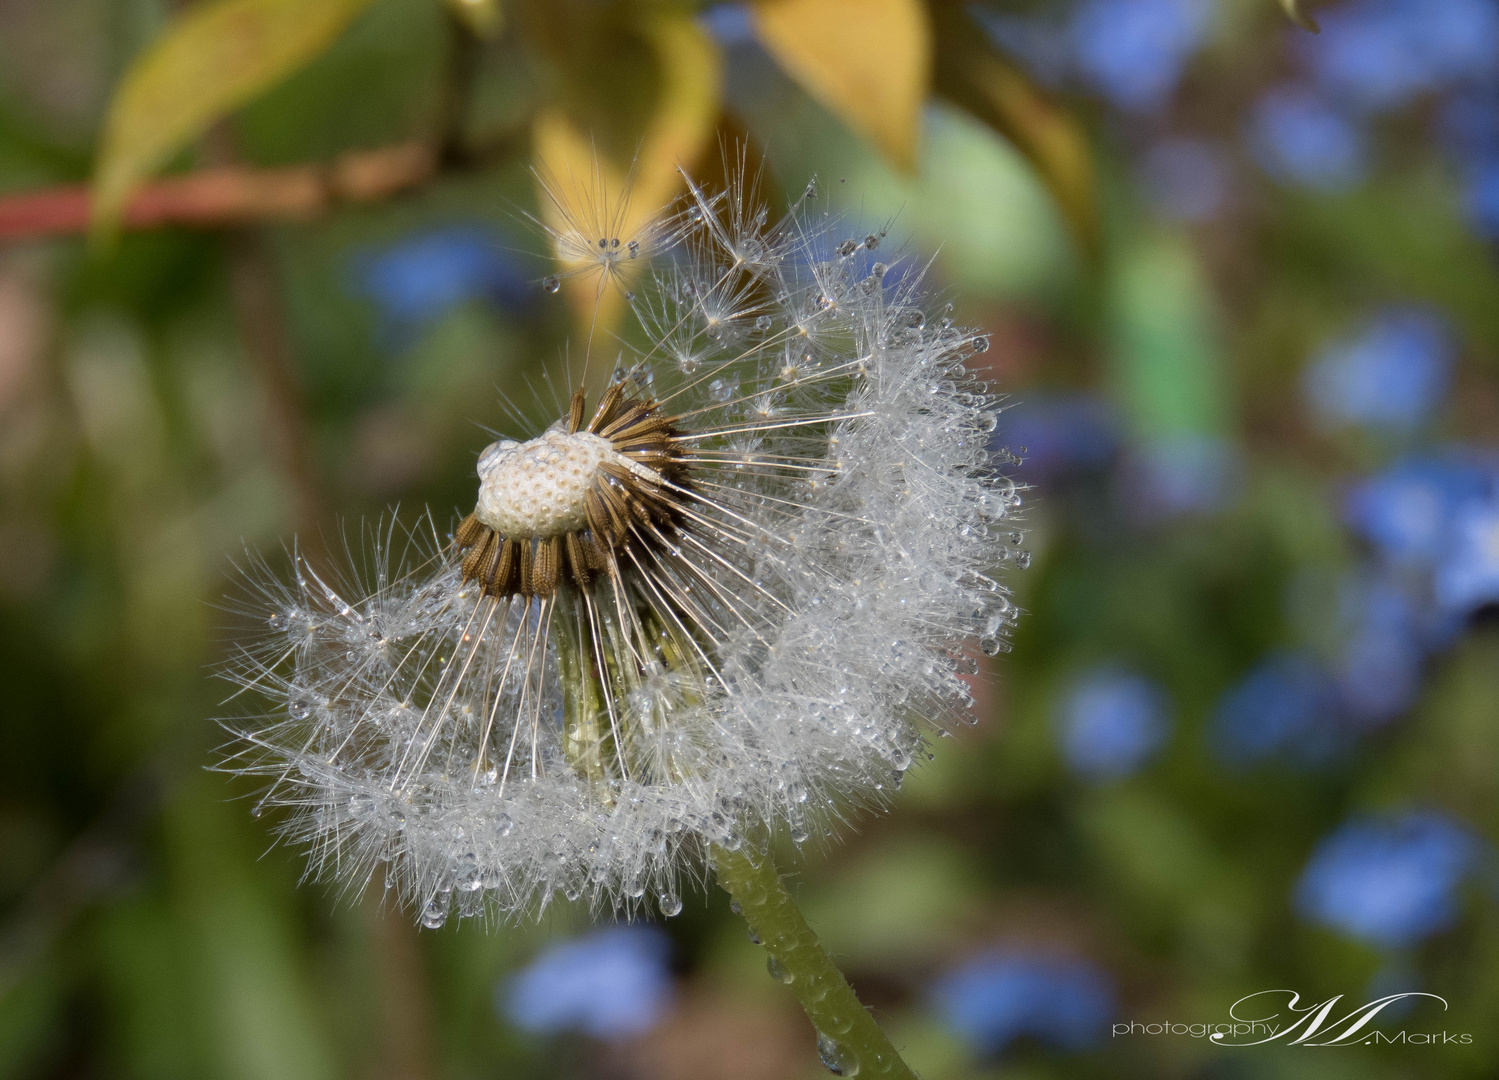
(774, 663)
(536, 488)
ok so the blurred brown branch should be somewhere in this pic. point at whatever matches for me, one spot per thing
(229, 195)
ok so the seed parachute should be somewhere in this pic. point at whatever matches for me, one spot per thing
(731, 590)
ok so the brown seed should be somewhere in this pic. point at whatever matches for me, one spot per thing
(475, 557)
(545, 568)
(469, 530)
(576, 563)
(502, 580)
(525, 568)
(608, 404)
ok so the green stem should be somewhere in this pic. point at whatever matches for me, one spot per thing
(850, 1042)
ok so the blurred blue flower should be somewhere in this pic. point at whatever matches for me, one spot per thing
(1301, 139)
(729, 24)
(418, 280)
(1182, 474)
(612, 982)
(1408, 511)
(1378, 669)
(1482, 196)
(1112, 722)
(1468, 578)
(1079, 433)
(1380, 54)
(1392, 373)
(1185, 179)
(1389, 882)
(1000, 996)
(1134, 51)
(1469, 122)
(1285, 707)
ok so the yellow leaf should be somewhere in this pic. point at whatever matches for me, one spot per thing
(867, 61)
(594, 197)
(1298, 16)
(483, 18)
(212, 59)
(973, 76)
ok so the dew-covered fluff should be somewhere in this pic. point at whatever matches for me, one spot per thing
(756, 590)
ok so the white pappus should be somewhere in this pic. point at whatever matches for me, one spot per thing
(729, 591)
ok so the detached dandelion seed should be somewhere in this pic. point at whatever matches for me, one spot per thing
(728, 593)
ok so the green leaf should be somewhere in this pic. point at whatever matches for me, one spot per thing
(1295, 13)
(211, 60)
(971, 75)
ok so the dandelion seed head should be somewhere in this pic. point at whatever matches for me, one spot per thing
(730, 593)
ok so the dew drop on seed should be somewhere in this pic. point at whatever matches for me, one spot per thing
(434, 915)
(670, 905)
(778, 971)
(763, 323)
(503, 825)
(980, 344)
(835, 1057)
(872, 241)
(735, 908)
(551, 283)
(754, 937)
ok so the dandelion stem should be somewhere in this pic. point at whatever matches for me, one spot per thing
(850, 1042)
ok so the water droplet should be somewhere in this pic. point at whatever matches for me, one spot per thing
(764, 322)
(847, 248)
(754, 937)
(551, 283)
(735, 908)
(572, 892)
(1023, 559)
(503, 825)
(980, 344)
(434, 914)
(778, 970)
(278, 621)
(837, 1058)
(361, 805)
(839, 1022)
(670, 905)
(872, 241)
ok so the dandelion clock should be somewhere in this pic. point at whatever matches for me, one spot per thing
(726, 594)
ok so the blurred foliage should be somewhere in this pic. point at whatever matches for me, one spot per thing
(1112, 201)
